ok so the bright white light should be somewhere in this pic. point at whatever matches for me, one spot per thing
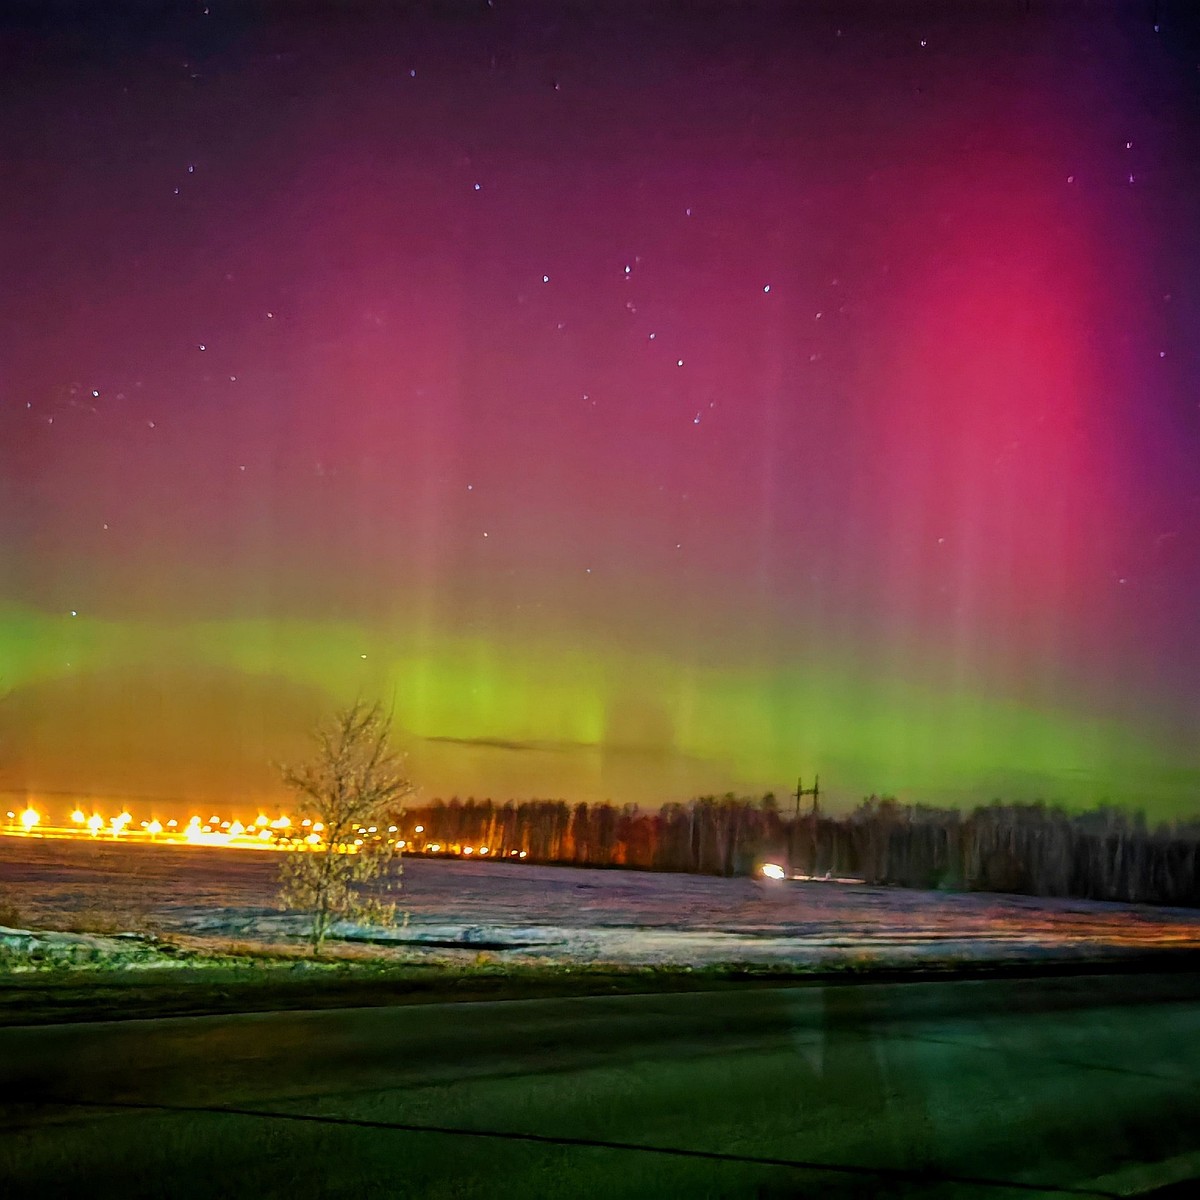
(30, 817)
(773, 871)
(420, 828)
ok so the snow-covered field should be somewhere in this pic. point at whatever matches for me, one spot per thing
(561, 913)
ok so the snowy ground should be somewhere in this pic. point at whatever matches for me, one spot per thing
(559, 913)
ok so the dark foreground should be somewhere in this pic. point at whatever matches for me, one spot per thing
(991, 1088)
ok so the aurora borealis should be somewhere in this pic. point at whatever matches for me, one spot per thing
(645, 400)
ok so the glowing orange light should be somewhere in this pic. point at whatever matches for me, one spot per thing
(30, 817)
(78, 817)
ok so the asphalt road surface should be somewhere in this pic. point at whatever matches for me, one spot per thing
(1005, 1088)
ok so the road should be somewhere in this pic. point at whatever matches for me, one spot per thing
(981, 1088)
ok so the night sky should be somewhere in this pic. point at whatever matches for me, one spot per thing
(646, 401)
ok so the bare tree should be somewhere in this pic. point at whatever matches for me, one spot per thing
(353, 790)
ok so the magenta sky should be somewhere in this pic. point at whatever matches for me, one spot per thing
(652, 402)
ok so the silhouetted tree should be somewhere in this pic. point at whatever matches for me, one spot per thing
(354, 782)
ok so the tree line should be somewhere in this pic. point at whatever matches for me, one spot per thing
(1034, 849)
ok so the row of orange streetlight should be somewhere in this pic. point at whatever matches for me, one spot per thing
(262, 833)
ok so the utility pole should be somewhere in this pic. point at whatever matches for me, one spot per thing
(815, 793)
